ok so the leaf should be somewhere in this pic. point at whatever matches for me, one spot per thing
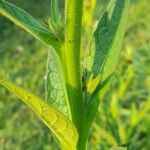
(93, 83)
(102, 53)
(56, 92)
(114, 106)
(64, 130)
(103, 50)
(28, 23)
(105, 134)
(136, 115)
(54, 11)
(92, 104)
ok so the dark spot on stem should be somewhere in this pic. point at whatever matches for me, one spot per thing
(70, 41)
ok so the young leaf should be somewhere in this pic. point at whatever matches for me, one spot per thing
(64, 130)
(28, 23)
(56, 92)
(93, 83)
(103, 50)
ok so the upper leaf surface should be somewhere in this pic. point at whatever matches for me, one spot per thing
(64, 130)
(103, 50)
(28, 23)
(56, 92)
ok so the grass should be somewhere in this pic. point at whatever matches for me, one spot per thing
(16, 62)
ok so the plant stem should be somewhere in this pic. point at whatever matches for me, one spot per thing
(71, 59)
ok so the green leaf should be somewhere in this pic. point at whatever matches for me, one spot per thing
(93, 83)
(105, 134)
(103, 50)
(54, 11)
(56, 92)
(91, 106)
(136, 115)
(63, 129)
(102, 53)
(28, 23)
(93, 102)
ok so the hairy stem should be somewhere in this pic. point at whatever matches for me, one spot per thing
(71, 59)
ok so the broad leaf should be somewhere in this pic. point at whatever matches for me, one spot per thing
(64, 130)
(103, 50)
(28, 23)
(56, 92)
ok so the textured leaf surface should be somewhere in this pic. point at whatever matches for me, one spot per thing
(103, 50)
(56, 92)
(27, 22)
(64, 130)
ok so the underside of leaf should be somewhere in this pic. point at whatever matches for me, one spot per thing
(56, 92)
(64, 130)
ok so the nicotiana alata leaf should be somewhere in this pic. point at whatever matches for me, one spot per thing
(56, 92)
(103, 50)
(64, 130)
(28, 23)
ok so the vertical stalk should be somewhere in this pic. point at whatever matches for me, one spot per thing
(71, 59)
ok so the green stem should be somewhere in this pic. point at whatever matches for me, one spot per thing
(71, 59)
(72, 42)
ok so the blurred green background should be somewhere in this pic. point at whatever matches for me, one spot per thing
(124, 115)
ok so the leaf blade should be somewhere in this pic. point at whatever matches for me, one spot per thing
(104, 47)
(64, 130)
(102, 53)
(28, 23)
(56, 91)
